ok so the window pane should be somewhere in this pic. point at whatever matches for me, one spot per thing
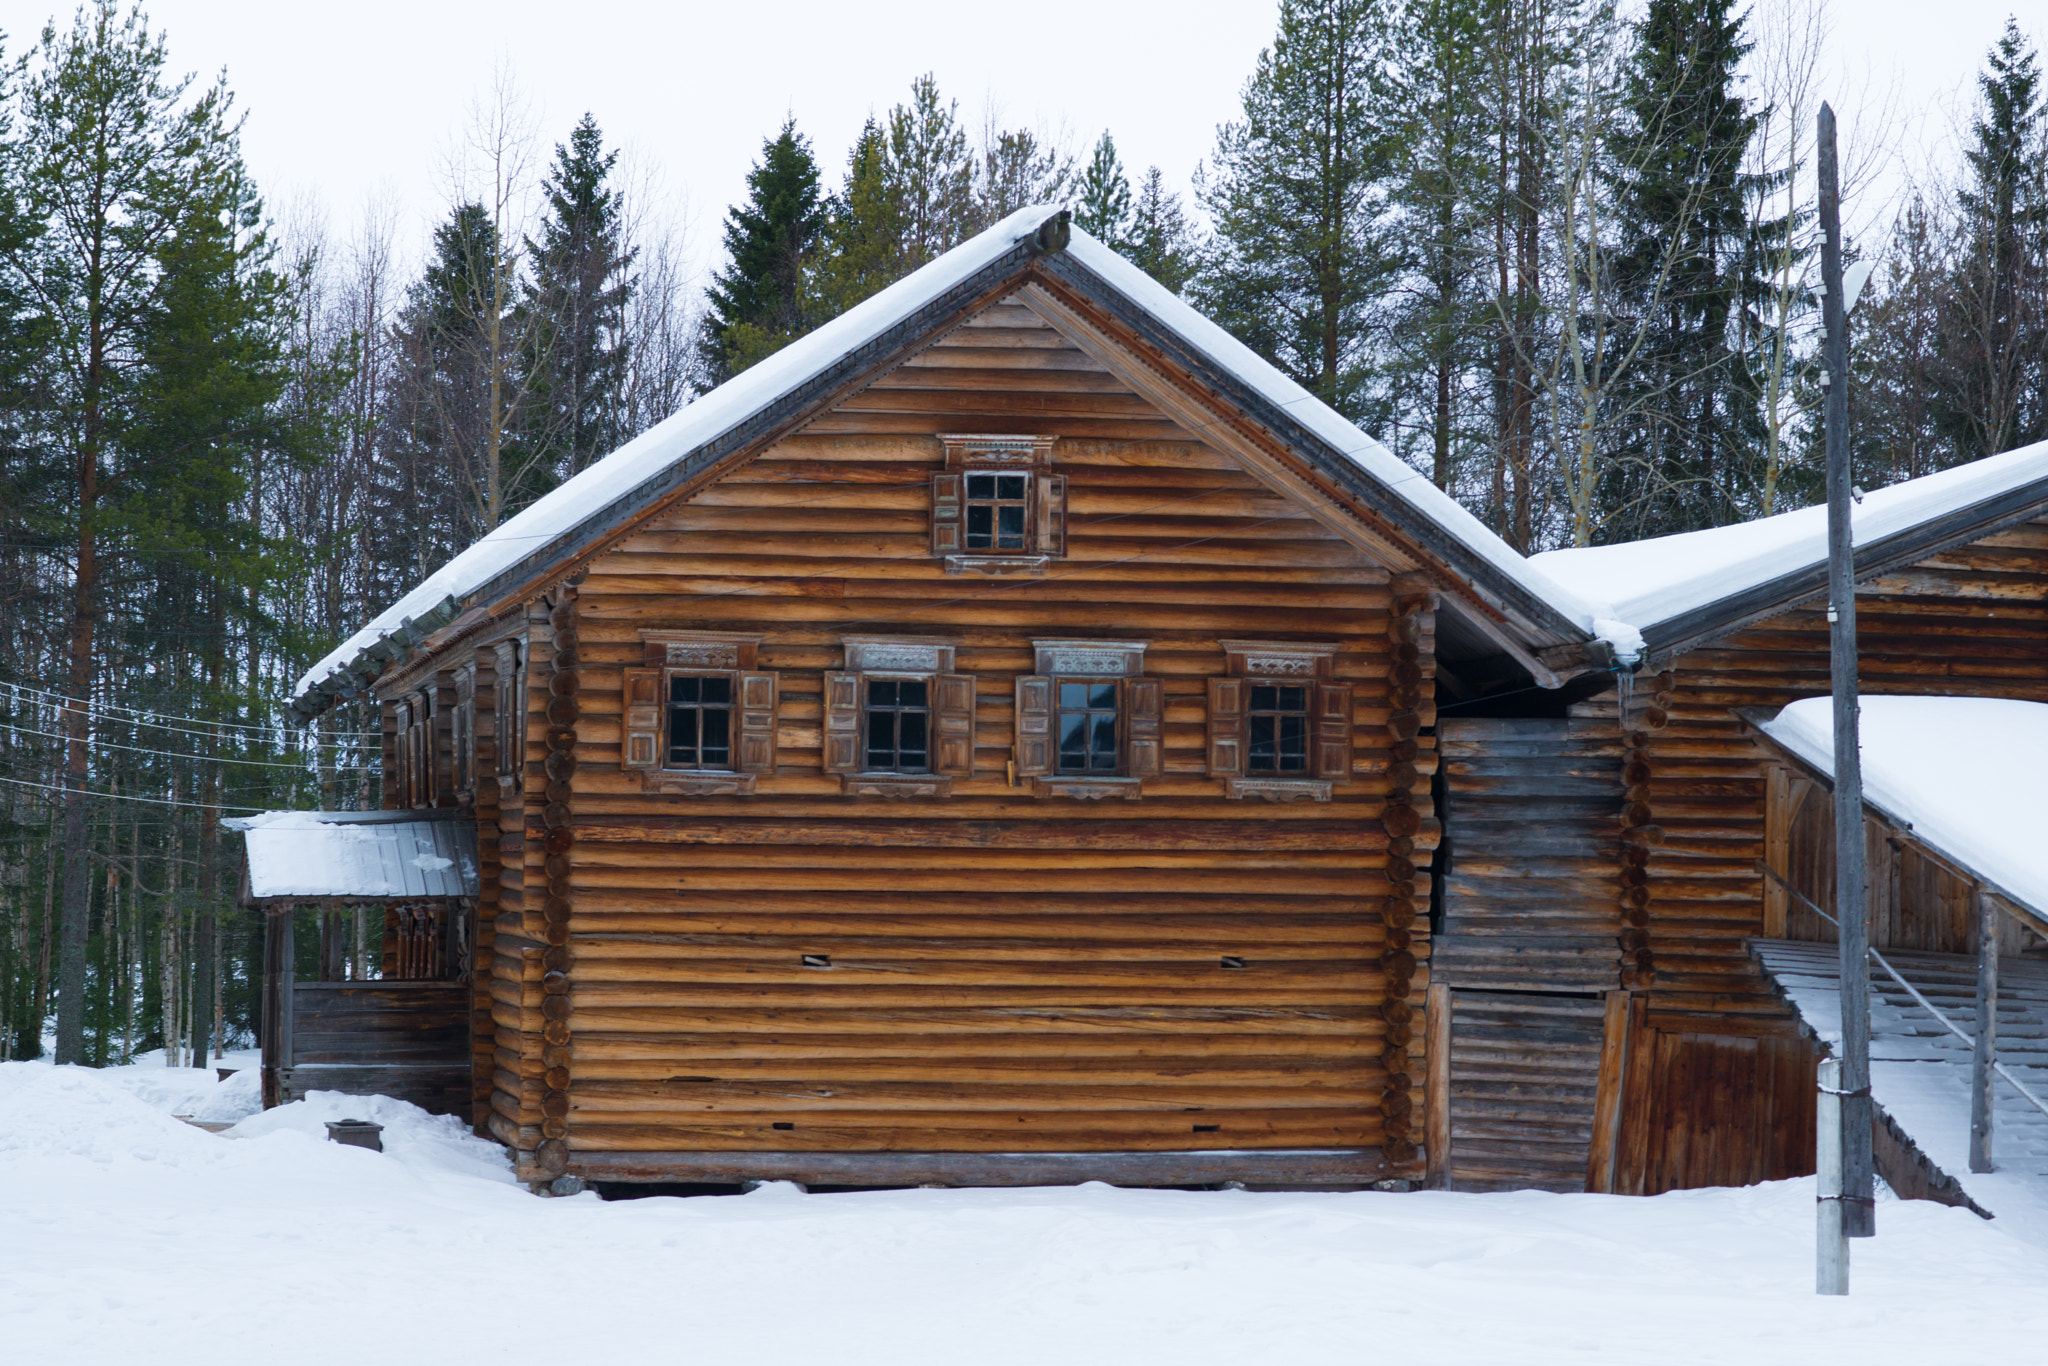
(1073, 696)
(1261, 751)
(1294, 699)
(910, 692)
(682, 689)
(1104, 746)
(682, 735)
(981, 486)
(882, 692)
(1010, 486)
(980, 527)
(717, 750)
(881, 739)
(1102, 696)
(1073, 740)
(1264, 697)
(912, 743)
(717, 690)
(1010, 528)
(1293, 744)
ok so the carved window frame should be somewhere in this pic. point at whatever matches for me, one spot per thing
(646, 711)
(950, 700)
(1311, 664)
(1045, 520)
(1140, 707)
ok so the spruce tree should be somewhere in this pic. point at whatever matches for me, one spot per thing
(930, 172)
(1301, 254)
(1685, 268)
(861, 251)
(1103, 209)
(1997, 328)
(575, 309)
(757, 301)
(1160, 240)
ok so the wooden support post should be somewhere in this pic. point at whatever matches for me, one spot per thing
(1614, 1046)
(275, 964)
(1436, 1097)
(1831, 1247)
(1851, 909)
(1985, 1053)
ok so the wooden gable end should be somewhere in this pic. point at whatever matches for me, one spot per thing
(827, 962)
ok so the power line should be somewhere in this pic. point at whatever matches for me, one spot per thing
(123, 797)
(214, 727)
(165, 753)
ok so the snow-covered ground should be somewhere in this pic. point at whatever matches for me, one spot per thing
(130, 1236)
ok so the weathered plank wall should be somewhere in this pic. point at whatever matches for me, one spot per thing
(1532, 827)
(404, 1039)
(1008, 973)
(1524, 1078)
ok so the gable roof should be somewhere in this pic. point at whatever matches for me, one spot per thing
(1680, 591)
(819, 369)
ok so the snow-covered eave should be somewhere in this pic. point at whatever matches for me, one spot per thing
(1945, 531)
(808, 376)
(1818, 766)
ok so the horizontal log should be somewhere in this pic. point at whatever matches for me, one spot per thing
(596, 1102)
(870, 1018)
(1303, 1168)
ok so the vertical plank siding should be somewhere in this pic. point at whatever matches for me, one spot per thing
(1007, 972)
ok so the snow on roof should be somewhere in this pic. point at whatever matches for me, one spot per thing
(369, 854)
(1964, 772)
(745, 395)
(1649, 582)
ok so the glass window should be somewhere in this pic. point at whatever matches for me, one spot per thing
(700, 721)
(898, 722)
(1278, 717)
(1087, 727)
(995, 511)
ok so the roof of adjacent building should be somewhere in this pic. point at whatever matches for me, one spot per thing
(359, 855)
(1680, 590)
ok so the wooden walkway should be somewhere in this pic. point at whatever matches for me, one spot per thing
(1920, 1072)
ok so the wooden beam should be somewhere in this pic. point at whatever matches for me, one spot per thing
(1985, 1051)
(1614, 1045)
(1332, 1167)
(1436, 1096)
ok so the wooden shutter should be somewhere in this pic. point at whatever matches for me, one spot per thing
(953, 724)
(1143, 708)
(1226, 727)
(1034, 725)
(945, 514)
(640, 735)
(842, 723)
(756, 720)
(401, 751)
(1052, 514)
(1330, 724)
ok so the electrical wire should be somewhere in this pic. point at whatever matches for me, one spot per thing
(124, 797)
(213, 733)
(164, 753)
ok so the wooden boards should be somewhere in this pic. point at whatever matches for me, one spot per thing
(403, 1039)
(1524, 1079)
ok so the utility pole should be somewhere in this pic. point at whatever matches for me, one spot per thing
(1859, 1212)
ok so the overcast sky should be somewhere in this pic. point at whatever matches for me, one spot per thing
(349, 101)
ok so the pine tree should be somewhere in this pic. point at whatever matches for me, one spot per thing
(1686, 269)
(1103, 210)
(1997, 328)
(757, 301)
(930, 172)
(1301, 254)
(575, 308)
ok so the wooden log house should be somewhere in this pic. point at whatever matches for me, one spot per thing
(1014, 735)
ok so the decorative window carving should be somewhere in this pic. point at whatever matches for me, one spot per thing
(698, 717)
(1088, 722)
(508, 716)
(899, 722)
(1279, 729)
(997, 507)
(462, 734)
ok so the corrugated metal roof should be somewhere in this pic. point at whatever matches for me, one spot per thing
(364, 855)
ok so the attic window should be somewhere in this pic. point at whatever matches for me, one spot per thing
(997, 508)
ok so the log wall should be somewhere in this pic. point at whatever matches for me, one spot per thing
(1007, 972)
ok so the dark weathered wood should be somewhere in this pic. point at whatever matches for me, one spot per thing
(1311, 1169)
(1984, 1051)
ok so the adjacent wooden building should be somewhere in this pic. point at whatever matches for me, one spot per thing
(1015, 735)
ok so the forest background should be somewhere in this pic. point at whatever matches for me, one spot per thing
(1557, 254)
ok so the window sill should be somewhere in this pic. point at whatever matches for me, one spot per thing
(698, 784)
(895, 785)
(1278, 789)
(1088, 789)
(997, 564)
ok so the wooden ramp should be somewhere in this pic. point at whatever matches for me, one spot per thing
(1920, 1072)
